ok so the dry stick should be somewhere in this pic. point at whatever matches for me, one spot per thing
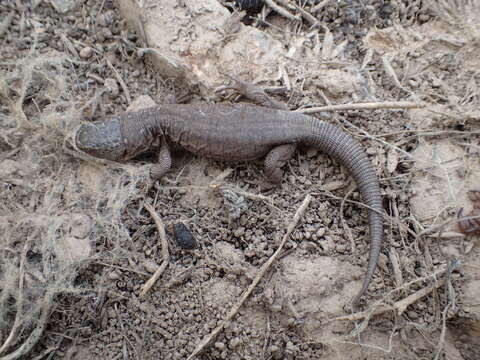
(120, 81)
(320, 6)
(19, 315)
(400, 306)
(165, 255)
(37, 332)
(248, 195)
(344, 223)
(365, 106)
(307, 16)
(234, 310)
(282, 11)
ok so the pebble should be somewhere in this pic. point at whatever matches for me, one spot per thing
(86, 53)
(276, 307)
(220, 345)
(239, 232)
(114, 275)
(235, 342)
(112, 86)
(341, 248)
(183, 236)
(320, 232)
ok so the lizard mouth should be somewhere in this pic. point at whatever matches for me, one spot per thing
(102, 139)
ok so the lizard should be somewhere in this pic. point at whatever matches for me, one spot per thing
(237, 132)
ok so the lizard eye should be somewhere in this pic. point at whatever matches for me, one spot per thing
(102, 139)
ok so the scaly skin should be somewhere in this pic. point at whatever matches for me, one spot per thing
(236, 132)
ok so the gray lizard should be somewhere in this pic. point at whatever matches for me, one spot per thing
(236, 132)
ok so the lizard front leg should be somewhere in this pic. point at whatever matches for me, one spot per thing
(275, 159)
(164, 162)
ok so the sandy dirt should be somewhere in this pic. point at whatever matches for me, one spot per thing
(78, 245)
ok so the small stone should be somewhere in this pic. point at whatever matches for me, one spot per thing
(412, 315)
(220, 345)
(320, 232)
(112, 87)
(235, 342)
(114, 275)
(86, 52)
(239, 232)
(276, 307)
(149, 266)
(274, 349)
(183, 236)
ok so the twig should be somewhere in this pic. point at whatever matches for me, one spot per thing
(120, 81)
(320, 6)
(397, 272)
(215, 183)
(248, 195)
(400, 306)
(165, 254)
(365, 106)
(344, 223)
(19, 315)
(451, 304)
(282, 11)
(35, 335)
(181, 277)
(307, 16)
(234, 310)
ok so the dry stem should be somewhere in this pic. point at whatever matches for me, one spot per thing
(37, 332)
(234, 310)
(281, 10)
(121, 82)
(365, 106)
(165, 254)
(400, 306)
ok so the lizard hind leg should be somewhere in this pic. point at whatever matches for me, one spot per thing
(275, 159)
(164, 163)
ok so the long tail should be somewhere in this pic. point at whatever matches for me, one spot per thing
(345, 149)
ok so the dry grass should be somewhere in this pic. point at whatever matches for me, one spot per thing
(461, 13)
(41, 192)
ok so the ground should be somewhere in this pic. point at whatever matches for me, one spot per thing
(78, 244)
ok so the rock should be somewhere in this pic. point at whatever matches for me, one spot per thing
(442, 179)
(188, 40)
(63, 6)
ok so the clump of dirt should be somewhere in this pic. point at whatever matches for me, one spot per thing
(78, 246)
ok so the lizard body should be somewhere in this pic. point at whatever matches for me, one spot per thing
(236, 132)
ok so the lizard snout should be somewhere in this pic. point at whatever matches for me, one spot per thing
(102, 139)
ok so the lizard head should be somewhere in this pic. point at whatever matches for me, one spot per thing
(102, 139)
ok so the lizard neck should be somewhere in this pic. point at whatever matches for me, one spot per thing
(142, 130)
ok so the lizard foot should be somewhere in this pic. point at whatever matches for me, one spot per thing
(265, 185)
(252, 92)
